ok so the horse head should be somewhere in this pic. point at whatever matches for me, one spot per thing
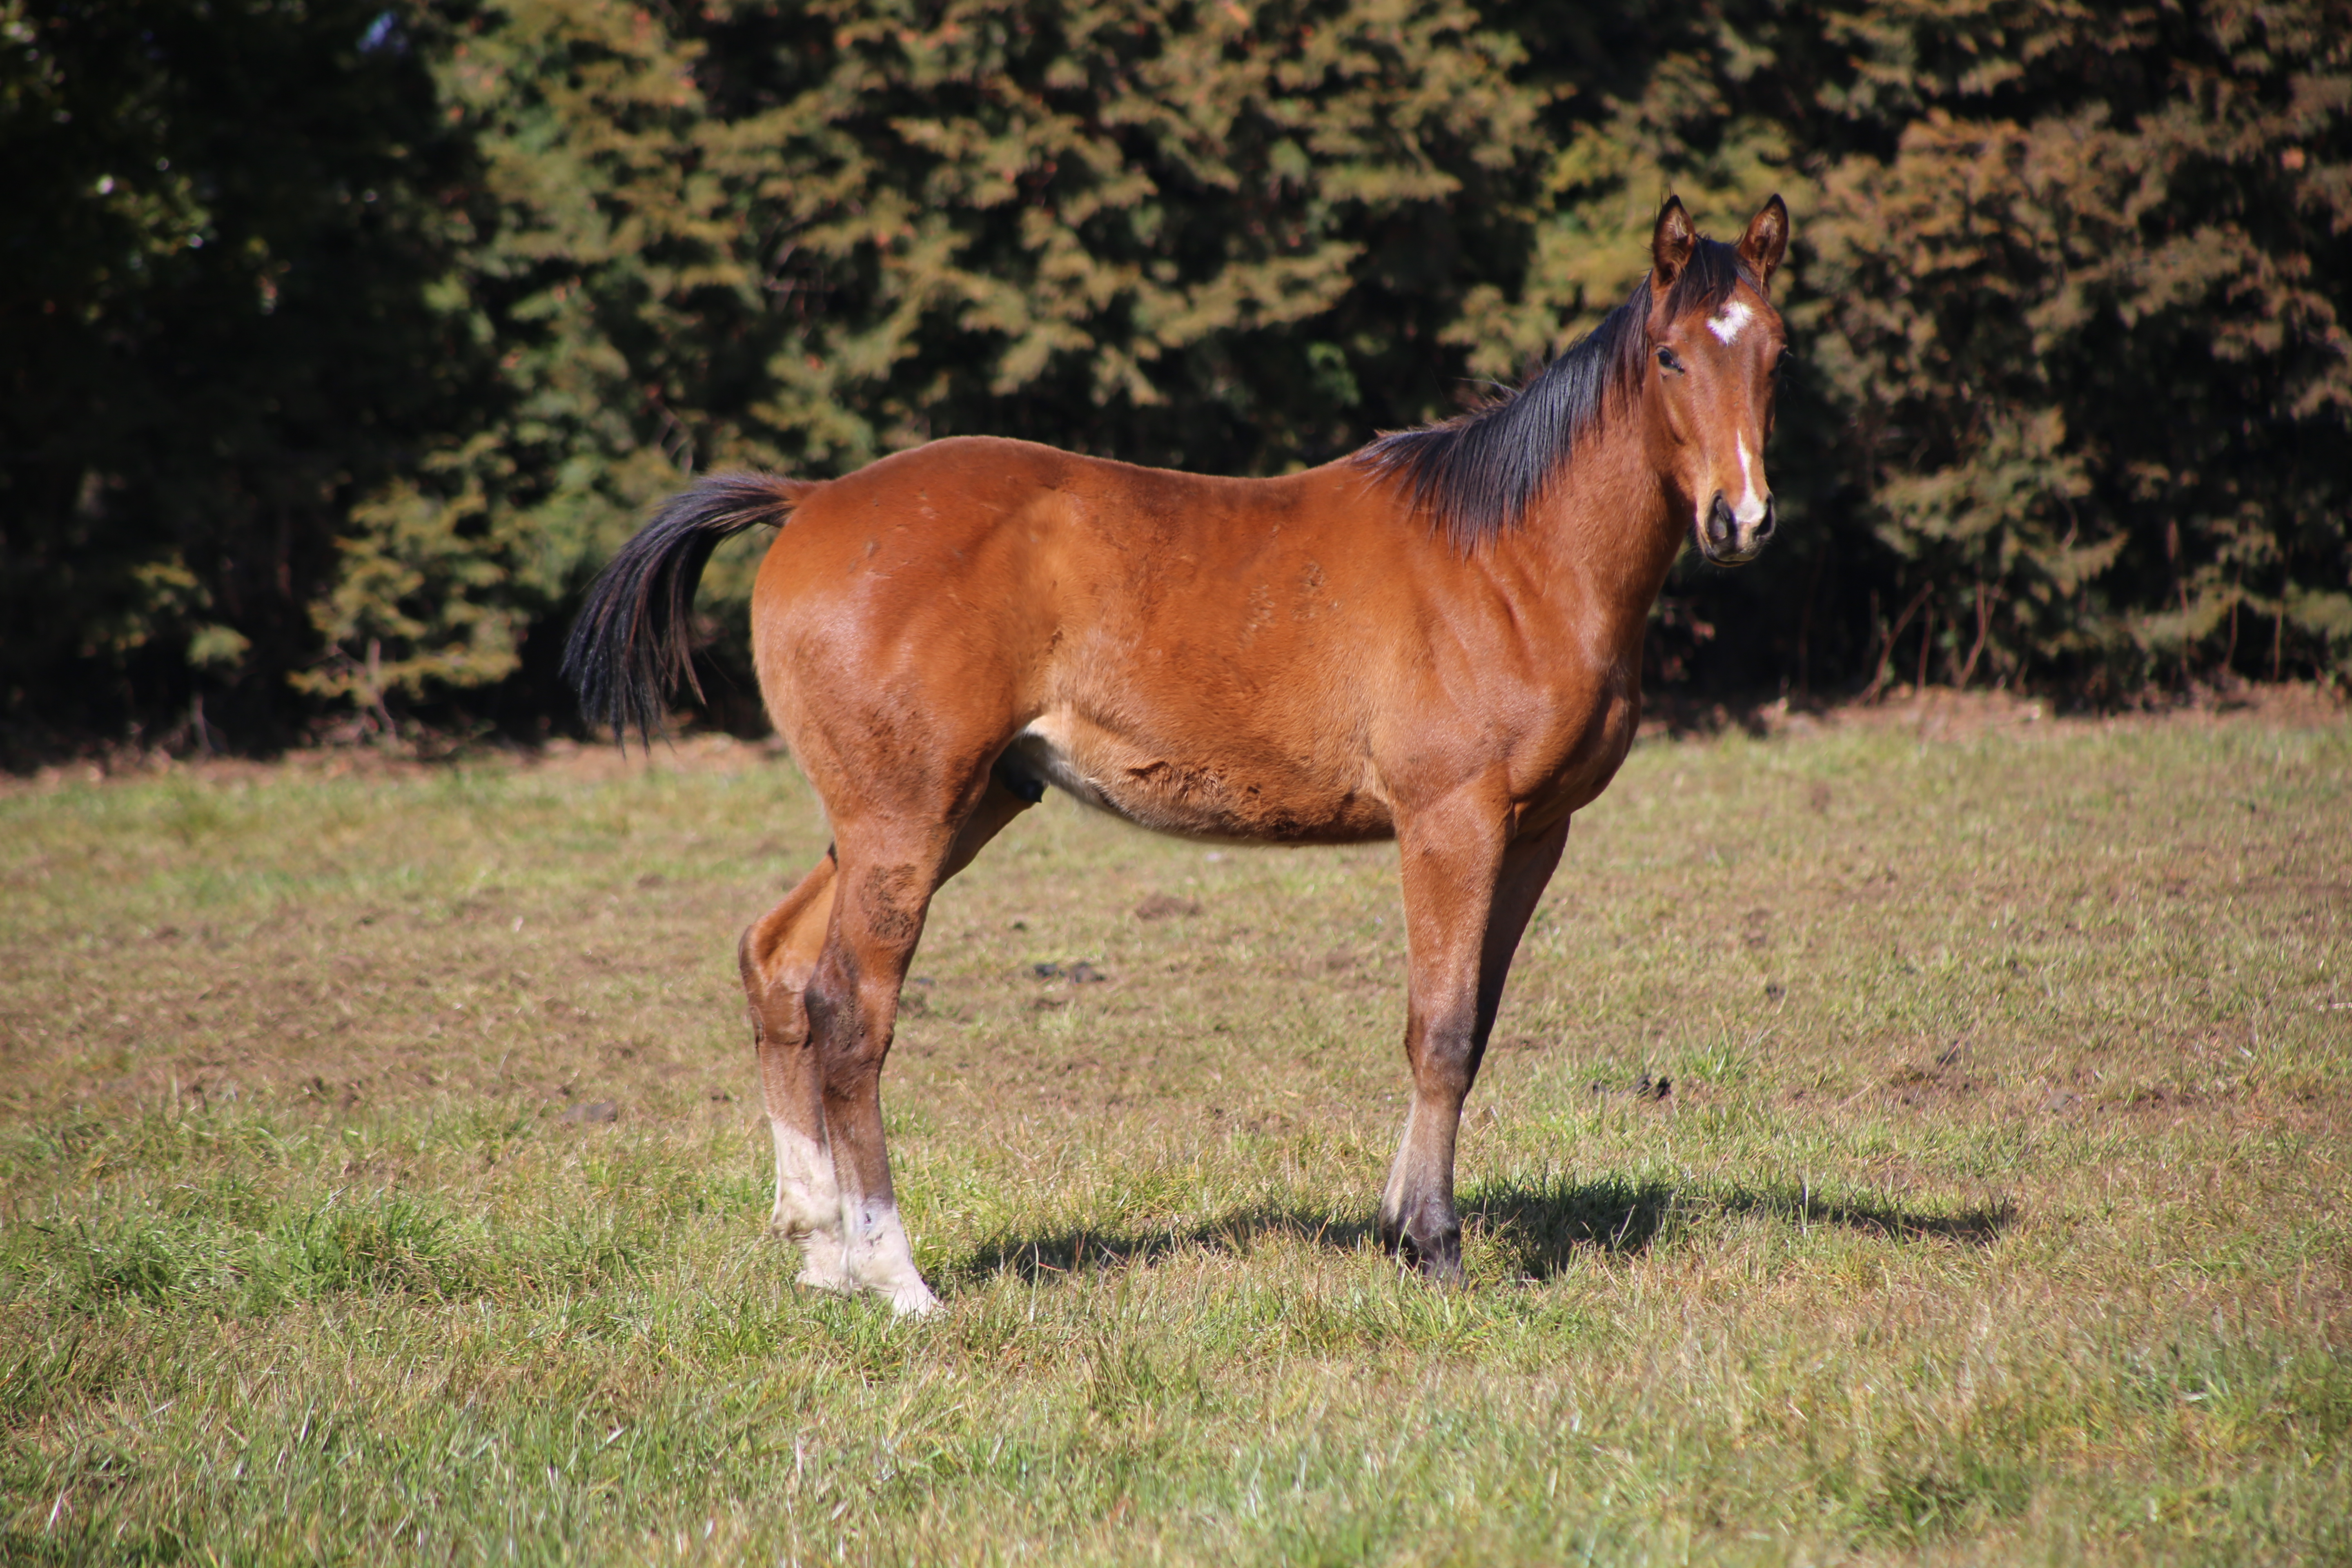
(1717, 344)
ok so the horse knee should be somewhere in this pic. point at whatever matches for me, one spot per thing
(1446, 1064)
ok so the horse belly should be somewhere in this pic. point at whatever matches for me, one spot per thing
(1233, 799)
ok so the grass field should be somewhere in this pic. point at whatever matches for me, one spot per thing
(1901, 1143)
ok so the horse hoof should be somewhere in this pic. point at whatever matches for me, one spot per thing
(914, 1300)
(899, 1285)
(1438, 1261)
(1446, 1271)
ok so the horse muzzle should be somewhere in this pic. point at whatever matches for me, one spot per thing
(1727, 539)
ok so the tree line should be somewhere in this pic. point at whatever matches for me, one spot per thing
(343, 341)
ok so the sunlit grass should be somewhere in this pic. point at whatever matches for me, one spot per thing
(1890, 1148)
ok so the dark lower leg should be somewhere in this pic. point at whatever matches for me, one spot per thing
(1465, 930)
(1418, 1222)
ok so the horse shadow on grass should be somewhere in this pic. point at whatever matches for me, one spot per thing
(1543, 1229)
(1540, 1229)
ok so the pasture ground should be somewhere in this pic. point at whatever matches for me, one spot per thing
(1900, 1143)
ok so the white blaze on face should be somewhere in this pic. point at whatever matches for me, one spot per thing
(1751, 509)
(1728, 325)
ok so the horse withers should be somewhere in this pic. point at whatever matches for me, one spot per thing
(1437, 639)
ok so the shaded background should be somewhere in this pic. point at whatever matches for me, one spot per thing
(339, 345)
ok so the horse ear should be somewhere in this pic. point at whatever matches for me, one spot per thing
(1670, 244)
(1767, 241)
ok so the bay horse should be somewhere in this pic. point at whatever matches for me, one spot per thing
(1437, 638)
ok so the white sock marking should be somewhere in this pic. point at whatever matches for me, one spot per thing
(880, 1259)
(808, 1206)
(1728, 326)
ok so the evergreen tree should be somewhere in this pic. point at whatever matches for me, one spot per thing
(215, 337)
(341, 343)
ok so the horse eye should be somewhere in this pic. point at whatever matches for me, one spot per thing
(1668, 358)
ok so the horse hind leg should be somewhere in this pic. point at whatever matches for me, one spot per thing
(884, 889)
(778, 954)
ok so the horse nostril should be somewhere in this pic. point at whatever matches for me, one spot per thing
(1720, 519)
(1771, 519)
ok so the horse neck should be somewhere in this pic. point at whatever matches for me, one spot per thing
(1608, 528)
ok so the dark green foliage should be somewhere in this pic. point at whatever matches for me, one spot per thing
(215, 340)
(477, 284)
(2088, 320)
(803, 237)
(2069, 293)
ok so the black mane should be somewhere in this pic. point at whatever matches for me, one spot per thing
(1477, 474)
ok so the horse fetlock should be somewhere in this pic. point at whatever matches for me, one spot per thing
(801, 1222)
(813, 1223)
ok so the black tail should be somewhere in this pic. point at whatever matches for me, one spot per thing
(630, 648)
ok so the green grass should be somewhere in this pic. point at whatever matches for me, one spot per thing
(1995, 1210)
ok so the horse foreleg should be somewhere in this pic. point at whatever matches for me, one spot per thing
(778, 954)
(1468, 897)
